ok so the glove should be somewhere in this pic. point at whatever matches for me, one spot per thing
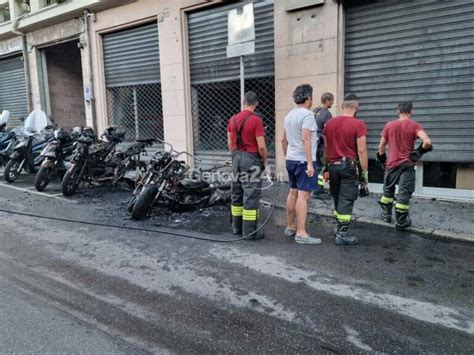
(418, 152)
(363, 189)
(382, 159)
(323, 176)
(364, 177)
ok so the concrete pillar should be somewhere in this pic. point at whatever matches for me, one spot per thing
(88, 84)
(15, 9)
(306, 52)
(177, 125)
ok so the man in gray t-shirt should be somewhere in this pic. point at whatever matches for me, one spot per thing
(296, 120)
(299, 145)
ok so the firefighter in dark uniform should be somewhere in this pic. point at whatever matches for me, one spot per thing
(246, 141)
(345, 148)
(322, 115)
(400, 135)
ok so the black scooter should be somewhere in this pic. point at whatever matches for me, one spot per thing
(26, 155)
(55, 155)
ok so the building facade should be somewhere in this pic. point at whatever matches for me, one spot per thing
(159, 68)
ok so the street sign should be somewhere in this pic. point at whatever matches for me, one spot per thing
(241, 38)
(241, 31)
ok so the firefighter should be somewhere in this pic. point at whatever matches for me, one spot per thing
(400, 135)
(345, 146)
(322, 115)
(246, 142)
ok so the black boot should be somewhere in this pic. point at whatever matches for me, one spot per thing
(237, 225)
(403, 220)
(250, 229)
(386, 214)
(343, 237)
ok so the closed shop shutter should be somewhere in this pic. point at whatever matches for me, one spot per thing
(13, 92)
(132, 78)
(216, 79)
(421, 50)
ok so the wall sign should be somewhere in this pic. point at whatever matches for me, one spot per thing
(11, 45)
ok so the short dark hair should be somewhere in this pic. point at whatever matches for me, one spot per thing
(351, 97)
(350, 100)
(405, 107)
(302, 93)
(327, 96)
(250, 98)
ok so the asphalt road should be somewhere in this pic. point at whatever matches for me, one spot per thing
(131, 291)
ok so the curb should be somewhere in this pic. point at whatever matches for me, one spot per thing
(430, 233)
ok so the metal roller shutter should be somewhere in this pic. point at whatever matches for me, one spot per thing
(13, 92)
(132, 78)
(132, 57)
(215, 78)
(420, 50)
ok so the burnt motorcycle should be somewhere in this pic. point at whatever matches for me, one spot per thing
(100, 163)
(55, 155)
(88, 161)
(170, 182)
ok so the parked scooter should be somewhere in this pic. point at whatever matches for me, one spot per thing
(55, 155)
(4, 121)
(169, 181)
(89, 162)
(5, 138)
(26, 152)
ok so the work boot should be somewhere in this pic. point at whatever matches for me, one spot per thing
(249, 227)
(343, 237)
(402, 220)
(386, 214)
(237, 225)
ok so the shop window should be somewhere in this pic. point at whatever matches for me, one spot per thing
(215, 102)
(137, 108)
(439, 174)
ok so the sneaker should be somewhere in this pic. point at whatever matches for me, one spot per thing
(306, 240)
(290, 232)
(346, 240)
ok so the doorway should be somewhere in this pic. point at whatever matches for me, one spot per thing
(63, 84)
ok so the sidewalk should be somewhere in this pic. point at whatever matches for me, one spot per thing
(435, 218)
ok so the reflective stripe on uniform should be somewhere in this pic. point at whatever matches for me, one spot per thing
(237, 211)
(250, 215)
(401, 206)
(386, 200)
(321, 180)
(343, 217)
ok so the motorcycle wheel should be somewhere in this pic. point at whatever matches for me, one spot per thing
(12, 170)
(70, 182)
(143, 202)
(43, 177)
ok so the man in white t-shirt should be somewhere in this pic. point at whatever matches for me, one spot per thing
(300, 145)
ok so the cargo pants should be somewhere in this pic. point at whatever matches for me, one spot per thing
(344, 188)
(403, 176)
(247, 171)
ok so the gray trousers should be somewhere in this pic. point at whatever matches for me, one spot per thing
(246, 183)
